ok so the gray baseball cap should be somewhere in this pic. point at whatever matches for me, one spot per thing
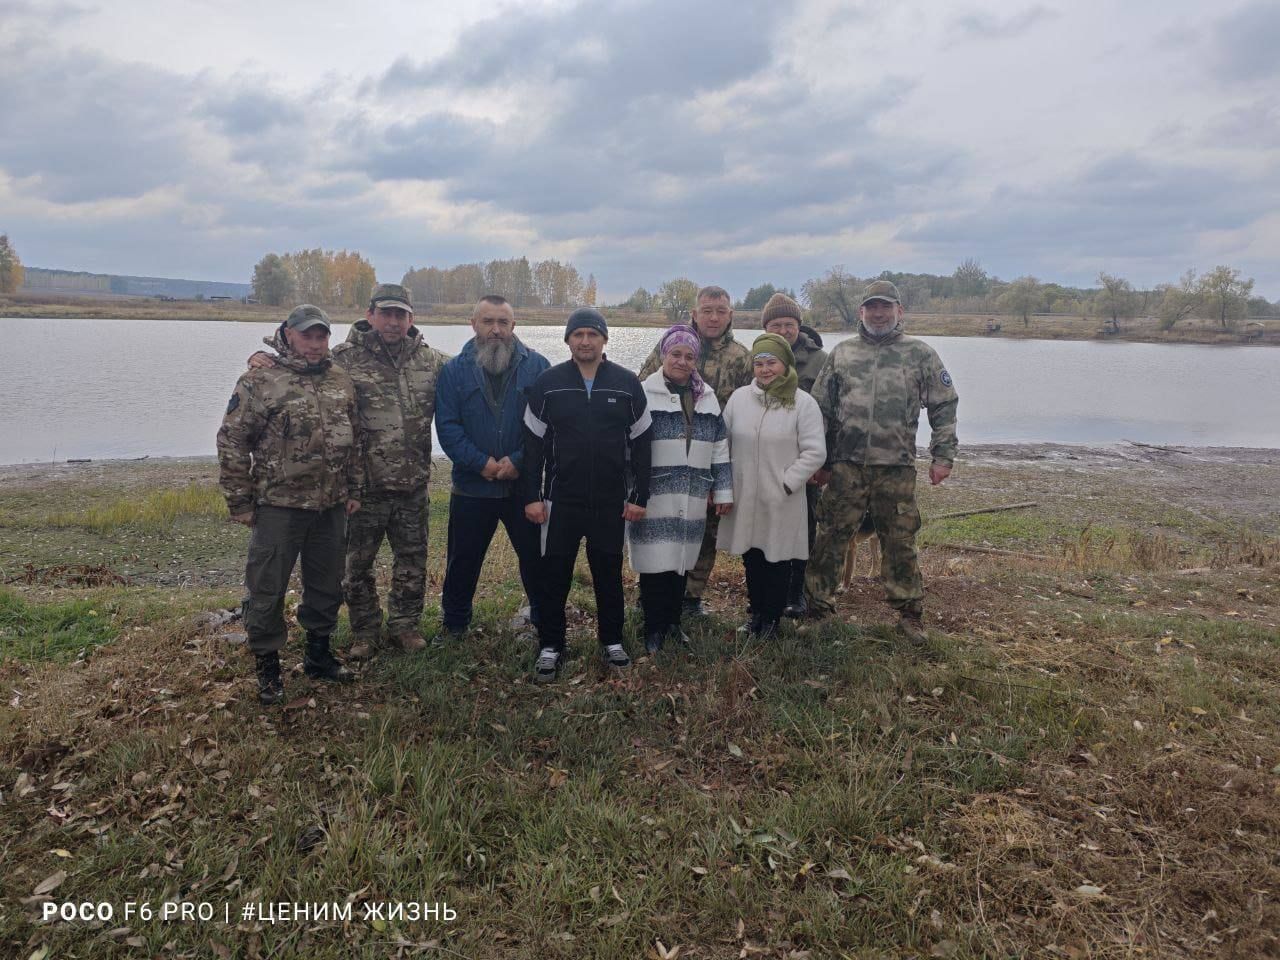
(391, 295)
(880, 290)
(305, 316)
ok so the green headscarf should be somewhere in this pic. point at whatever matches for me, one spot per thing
(783, 388)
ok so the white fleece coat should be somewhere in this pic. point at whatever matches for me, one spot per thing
(683, 474)
(771, 446)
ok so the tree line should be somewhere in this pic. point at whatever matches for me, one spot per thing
(322, 277)
(1221, 294)
(546, 283)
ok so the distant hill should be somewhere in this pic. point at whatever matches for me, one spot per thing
(39, 279)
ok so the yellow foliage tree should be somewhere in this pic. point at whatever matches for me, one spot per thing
(11, 272)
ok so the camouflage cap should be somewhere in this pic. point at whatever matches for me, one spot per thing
(304, 316)
(391, 295)
(880, 290)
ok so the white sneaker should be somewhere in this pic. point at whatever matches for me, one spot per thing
(615, 656)
(547, 665)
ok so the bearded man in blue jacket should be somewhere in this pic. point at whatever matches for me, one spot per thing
(480, 400)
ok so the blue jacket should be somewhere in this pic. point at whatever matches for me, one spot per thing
(469, 430)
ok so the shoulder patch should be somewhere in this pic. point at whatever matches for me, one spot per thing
(233, 403)
(945, 377)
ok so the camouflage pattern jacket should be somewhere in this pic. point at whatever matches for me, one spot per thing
(871, 393)
(809, 357)
(723, 363)
(396, 396)
(289, 437)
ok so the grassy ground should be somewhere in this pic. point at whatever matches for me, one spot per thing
(1088, 767)
(1045, 327)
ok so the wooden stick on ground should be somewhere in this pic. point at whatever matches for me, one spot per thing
(974, 513)
(994, 551)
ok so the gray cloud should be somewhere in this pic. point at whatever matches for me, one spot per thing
(1244, 44)
(981, 25)
(90, 128)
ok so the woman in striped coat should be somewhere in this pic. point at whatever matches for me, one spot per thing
(690, 468)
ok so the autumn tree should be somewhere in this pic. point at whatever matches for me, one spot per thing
(11, 272)
(351, 278)
(310, 272)
(1023, 298)
(640, 302)
(1115, 299)
(1224, 294)
(970, 279)
(836, 292)
(589, 291)
(677, 299)
(1178, 300)
(272, 281)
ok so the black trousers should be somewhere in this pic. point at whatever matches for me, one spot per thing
(661, 597)
(472, 524)
(766, 585)
(279, 535)
(603, 529)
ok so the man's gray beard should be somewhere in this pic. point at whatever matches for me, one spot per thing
(494, 356)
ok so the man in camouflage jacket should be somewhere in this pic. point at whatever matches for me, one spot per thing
(724, 365)
(395, 376)
(871, 391)
(289, 456)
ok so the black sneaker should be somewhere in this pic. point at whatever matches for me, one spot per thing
(615, 656)
(676, 635)
(319, 663)
(653, 642)
(547, 665)
(270, 686)
(765, 629)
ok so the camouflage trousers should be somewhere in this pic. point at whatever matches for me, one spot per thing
(402, 519)
(696, 582)
(889, 494)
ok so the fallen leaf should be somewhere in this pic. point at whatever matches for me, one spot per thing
(39, 953)
(1088, 891)
(735, 749)
(65, 854)
(839, 874)
(1199, 711)
(50, 883)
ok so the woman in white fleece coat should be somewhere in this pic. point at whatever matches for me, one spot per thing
(776, 442)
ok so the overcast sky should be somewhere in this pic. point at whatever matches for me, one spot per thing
(731, 141)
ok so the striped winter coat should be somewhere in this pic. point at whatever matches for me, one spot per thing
(670, 535)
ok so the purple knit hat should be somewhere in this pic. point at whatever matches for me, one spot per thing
(683, 335)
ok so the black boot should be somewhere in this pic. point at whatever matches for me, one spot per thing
(797, 606)
(319, 664)
(766, 629)
(270, 686)
(752, 626)
(653, 641)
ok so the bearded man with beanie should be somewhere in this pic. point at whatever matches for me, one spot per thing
(587, 432)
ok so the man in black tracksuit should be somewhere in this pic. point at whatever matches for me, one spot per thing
(587, 428)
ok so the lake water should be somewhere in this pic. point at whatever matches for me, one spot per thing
(130, 388)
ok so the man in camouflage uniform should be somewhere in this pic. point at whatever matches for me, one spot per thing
(289, 460)
(782, 315)
(724, 365)
(871, 391)
(395, 376)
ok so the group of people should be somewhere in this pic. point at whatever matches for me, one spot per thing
(775, 453)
